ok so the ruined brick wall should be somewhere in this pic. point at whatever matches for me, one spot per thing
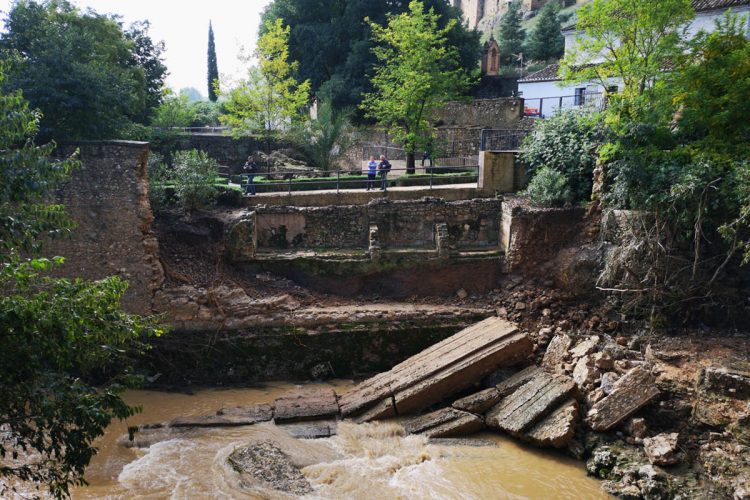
(107, 198)
(503, 112)
(401, 224)
(532, 237)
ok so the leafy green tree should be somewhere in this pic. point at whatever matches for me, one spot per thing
(549, 188)
(78, 68)
(681, 164)
(418, 72)
(194, 177)
(206, 113)
(569, 143)
(175, 111)
(57, 336)
(547, 41)
(340, 67)
(148, 55)
(511, 36)
(632, 41)
(270, 99)
(325, 139)
(213, 67)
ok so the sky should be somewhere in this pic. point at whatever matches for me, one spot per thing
(183, 25)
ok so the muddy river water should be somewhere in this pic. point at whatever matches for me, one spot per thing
(368, 461)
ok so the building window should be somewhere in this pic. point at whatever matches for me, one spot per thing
(580, 96)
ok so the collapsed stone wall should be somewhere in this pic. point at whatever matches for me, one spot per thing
(107, 198)
(401, 224)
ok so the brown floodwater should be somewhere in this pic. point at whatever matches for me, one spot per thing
(369, 461)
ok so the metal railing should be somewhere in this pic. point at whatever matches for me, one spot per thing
(196, 130)
(458, 153)
(500, 139)
(429, 178)
(542, 107)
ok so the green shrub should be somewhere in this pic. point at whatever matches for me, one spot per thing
(159, 180)
(567, 142)
(549, 188)
(194, 177)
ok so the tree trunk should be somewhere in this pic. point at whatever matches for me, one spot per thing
(410, 162)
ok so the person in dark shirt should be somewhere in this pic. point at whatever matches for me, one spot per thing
(384, 167)
(250, 168)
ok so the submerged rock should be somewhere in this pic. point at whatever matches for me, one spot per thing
(267, 465)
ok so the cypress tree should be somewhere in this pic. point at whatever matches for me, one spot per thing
(511, 34)
(547, 41)
(213, 68)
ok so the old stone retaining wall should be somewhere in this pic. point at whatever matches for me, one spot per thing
(107, 198)
(503, 112)
(532, 237)
(401, 224)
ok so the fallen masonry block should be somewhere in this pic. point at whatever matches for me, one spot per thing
(662, 449)
(258, 413)
(478, 402)
(306, 404)
(447, 422)
(385, 409)
(556, 354)
(149, 435)
(529, 403)
(229, 417)
(311, 430)
(732, 383)
(516, 380)
(443, 369)
(629, 394)
(556, 429)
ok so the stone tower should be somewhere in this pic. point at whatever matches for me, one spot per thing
(491, 57)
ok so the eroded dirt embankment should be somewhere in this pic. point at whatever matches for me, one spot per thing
(690, 440)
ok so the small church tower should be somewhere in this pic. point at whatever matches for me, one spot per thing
(491, 58)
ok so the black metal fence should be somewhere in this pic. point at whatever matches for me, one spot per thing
(498, 139)
(543, 107)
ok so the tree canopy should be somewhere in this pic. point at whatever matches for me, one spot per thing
(340, 67)
(546, 41)
(270, 98)
(57, 336)
(633, 41)
(511, 36)
(89, 79)
(213, 67)
(418, 71)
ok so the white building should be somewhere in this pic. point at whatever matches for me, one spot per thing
(544, 92)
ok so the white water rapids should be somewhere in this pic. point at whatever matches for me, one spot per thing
(370, 461)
